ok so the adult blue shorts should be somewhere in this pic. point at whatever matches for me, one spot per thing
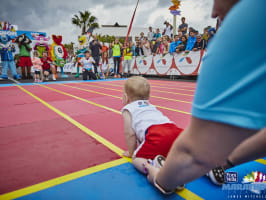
(231, 87)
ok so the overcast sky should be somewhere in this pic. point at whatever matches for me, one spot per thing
(54, 16)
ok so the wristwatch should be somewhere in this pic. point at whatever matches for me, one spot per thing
(160, 188)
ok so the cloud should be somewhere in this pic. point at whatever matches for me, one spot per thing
(54, 17)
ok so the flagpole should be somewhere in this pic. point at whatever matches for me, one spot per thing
(128, 32)
(174, 24)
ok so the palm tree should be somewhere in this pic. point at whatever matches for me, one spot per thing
(84, 21)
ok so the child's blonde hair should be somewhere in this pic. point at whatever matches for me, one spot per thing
(36, 53)
(137, 88)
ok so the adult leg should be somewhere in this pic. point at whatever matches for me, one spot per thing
(115, 66)
(96, 64)
(129, 65)
(85, 74)
(23, 72)
(29, 72)
(124, 63)
(203, 146)
(118, 66)
(92, 76)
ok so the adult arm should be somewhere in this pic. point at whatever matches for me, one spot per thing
(250, 149)
(201, 147)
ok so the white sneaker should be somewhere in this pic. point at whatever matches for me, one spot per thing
(158, 162)
(216, 176)
(47, 79)
(54, 79)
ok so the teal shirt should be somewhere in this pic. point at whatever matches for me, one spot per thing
(232, 82)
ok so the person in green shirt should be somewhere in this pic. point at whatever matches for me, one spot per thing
(116, 46)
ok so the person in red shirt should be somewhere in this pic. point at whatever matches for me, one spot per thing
(48, 67)
(104, 48)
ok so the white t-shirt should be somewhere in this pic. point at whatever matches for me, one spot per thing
(168, 31)
(87, 63)
(104, 65)
(150, 36)
(143, 116)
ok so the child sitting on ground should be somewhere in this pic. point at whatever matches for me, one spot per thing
(37, 66)
(48, 66)
(149, 134)
(104, 66)
(87, 64)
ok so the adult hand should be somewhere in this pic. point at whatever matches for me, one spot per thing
(152, 172)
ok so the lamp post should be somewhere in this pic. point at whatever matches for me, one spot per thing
(174, 11)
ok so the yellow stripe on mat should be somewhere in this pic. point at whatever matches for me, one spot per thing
(60, 180)
(261, 161)
(187, 194)
(177, 84)
(172, 88)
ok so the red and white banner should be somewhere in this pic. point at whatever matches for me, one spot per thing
(185, 64)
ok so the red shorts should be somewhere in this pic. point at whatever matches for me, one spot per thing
(24, 61)
(158, 140)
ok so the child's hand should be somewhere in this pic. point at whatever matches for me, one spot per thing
(127, 154)
(151, 171)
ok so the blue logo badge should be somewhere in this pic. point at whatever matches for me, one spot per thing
(231, 177)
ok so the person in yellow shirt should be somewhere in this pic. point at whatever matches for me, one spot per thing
(127, 51)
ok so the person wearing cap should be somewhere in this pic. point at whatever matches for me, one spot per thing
(200, 44)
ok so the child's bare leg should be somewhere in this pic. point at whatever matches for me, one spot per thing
(139, 164)
(42, 75)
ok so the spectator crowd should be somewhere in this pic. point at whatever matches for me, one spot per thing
(154, 42)
(95, 62)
